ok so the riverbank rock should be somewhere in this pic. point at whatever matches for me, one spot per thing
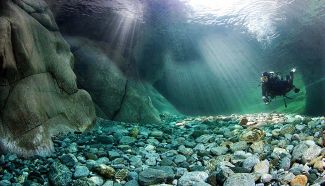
(37, 69)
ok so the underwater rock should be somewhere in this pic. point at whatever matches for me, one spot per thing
(133, 176)
(37, 67)
(105, 171)
(193, 178)
(59, 174)
(253, 135)
(299, 150)
(97, 180)
(262, 167)
(205, 138)
(279, 153)
(257, 147)
(104, 139)
(150, 148)
(219, 150)
(83, 182)
(110, 183)
(250, 162)
(198, 132)
(134, 132)
(243, 179)
(243, 121)
(285, 163)
(179, 159)
(103, 160)
(127, 140)
(81, 171)
(311, 153)
(69, 160)
(240, 156)
(113, 154)
(287, 129)
(223, 171)
(300, 180)
(152, 176)
(121, 174)
(276, 132)
(284, 177)
(157, 134)
(241, 145)
(319, 165)
(297, 168)
(132, 183)
(185, 151)
(170, 175)
(266, 178)
(300, 127)
(39, 11)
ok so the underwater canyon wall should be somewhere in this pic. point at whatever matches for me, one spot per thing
(39, 96)
(106, 64)
(117, 96)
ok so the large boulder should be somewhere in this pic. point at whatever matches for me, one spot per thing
(38, 90)
(117, 96)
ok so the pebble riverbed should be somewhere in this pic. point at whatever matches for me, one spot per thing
(246, 150)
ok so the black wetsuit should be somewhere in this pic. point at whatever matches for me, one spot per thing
(275, 86)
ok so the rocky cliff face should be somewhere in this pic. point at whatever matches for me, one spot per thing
(117, 96)
(38, 90)
(109, 58)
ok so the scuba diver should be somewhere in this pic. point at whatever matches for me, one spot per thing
(274, 85)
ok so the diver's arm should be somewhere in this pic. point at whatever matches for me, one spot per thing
(265, 94)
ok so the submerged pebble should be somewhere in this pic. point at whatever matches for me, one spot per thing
(216, 150)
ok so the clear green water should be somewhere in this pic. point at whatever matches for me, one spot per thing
(206, 56)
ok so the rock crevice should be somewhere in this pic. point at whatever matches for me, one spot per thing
(122, 101)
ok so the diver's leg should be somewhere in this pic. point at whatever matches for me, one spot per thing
(296, 90)
(290, 78)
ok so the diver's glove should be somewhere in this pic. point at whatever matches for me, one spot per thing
(266, 100)
(293, 70)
